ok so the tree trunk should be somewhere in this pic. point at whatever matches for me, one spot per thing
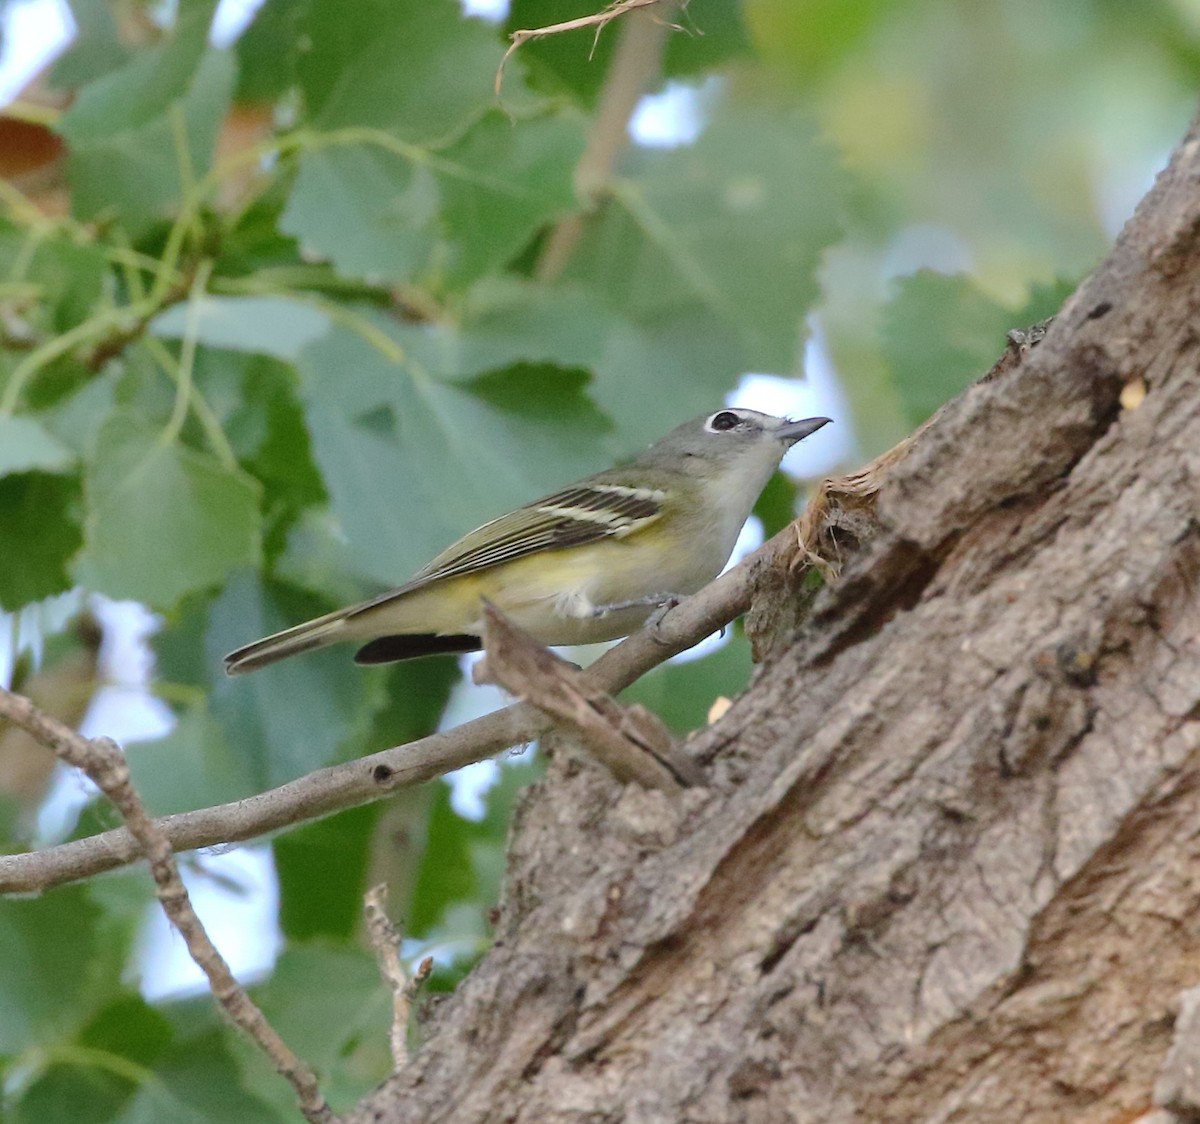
(947, 867)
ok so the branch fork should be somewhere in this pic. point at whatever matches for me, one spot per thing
(630, 741)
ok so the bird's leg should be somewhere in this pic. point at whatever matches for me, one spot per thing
(661, 602)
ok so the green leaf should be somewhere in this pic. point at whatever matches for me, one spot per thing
(153, 78)
(508, 181)
(377, 207)
(275, 325)
(1044, 300)
(286, 720)
(416, 68)
(734, 225)
(197, 1081)
(68, 279)
(713, 33)
(316, 555)
(489, 843)
(86, 1094)
(191, 767)
(366, 209)
(812, 38)
(49, 944)
(331, 1007)
(162, 519)
(322, 869)
(95, 49)
(132, 166)
(41, 512)
(940, 333)
(776, 504)
(25, 446)
(267, 51)
(76, 420)
(463, 865)
(120, 1039)
(577, 62)
(681, 362)
(130, 1027)
(659, 372)
(266, 429)
(449, 454)
(447, 872)
(573, 62)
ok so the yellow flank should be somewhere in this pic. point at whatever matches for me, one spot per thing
(552, 594)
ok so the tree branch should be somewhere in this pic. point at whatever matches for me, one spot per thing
(631, 742)
(379, 774)
(839, 510)
(102, 760)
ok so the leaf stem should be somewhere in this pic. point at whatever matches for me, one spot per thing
(187, 354)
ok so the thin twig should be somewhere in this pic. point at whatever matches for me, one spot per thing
(597, 20)
(385, 939)
(102, 760)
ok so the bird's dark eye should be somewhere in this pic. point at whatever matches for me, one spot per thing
(723, 421)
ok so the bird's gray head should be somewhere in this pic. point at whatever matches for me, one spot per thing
(744, 442)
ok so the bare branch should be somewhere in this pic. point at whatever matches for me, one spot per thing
(630, 741)
(102, 760)
(385, 939)
(379, 774)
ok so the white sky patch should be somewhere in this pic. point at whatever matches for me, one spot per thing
(1120, 186)
(494, 11)
(35, 31)
(927, 246)
(241, 920)
(122, 709)
(23, 631)
(231, 19)
(675, 116)
(469, 785)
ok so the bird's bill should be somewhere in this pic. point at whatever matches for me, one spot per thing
(794, 431)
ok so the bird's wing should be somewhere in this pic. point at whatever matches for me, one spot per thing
(584, 513)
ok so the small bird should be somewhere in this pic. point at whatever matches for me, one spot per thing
(592, 562)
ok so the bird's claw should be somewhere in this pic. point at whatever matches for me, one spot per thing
(654, 621)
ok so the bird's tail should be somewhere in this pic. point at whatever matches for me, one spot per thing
(316, 633)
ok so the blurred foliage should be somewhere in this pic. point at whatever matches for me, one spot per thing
(291, 337)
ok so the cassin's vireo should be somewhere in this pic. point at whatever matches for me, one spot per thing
(591, 562)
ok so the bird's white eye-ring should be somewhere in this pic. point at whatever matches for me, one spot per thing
(723, 421)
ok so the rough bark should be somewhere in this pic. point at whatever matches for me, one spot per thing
(947, 867)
